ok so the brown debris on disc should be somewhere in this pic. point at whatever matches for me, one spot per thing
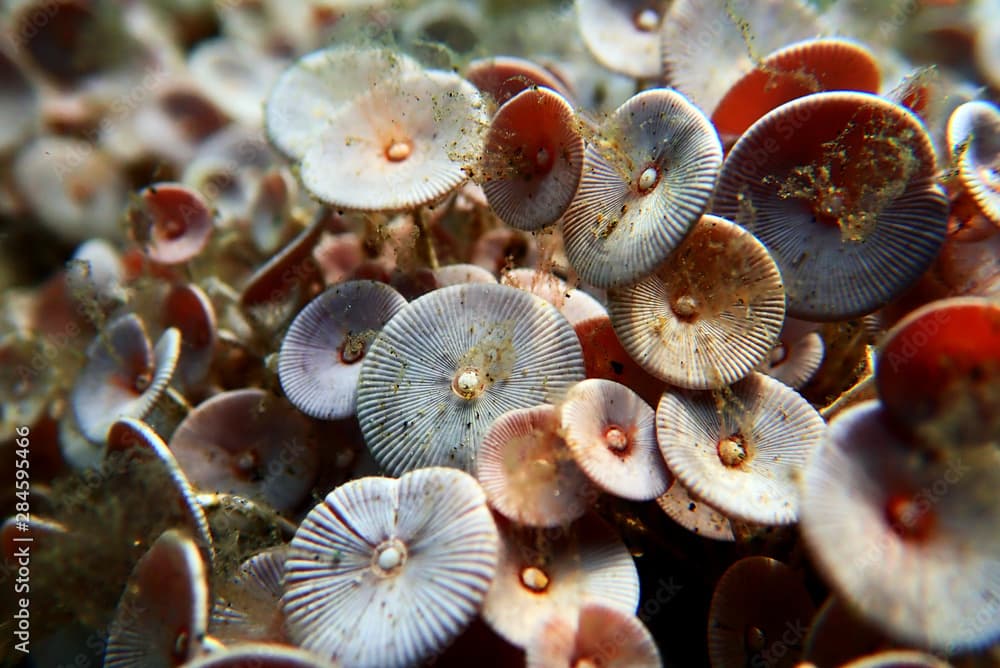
(842, 189)
(451, 362)
(172, 221)
(138, 456)
(162, 617)
(623, 35)
(250, 443)
(598, 636)
(709, 314)
(502, 77)
(794, 71)
(647, 178)
(744, 452)
(694, 514)
(527, 471)
(316, 86)
(973, 136)
(611, 432)
(758, 615)
(938, 372)
(124, 376)
(386, 572)
(400, 145)
(540, 575)
(707, 45)
(532, 159)
(320, 357)
(891, 530)
(248, 605)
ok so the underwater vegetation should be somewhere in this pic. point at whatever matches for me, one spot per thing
(580, 334)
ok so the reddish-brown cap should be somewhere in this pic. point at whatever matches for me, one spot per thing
(707, 45)
(248, 442)
(189, 310)
(502, 77)
(759, 614)
(799, 69)
(532, 159)
(842, 189)
(604, 357)
(172, 222)
(938, 371)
